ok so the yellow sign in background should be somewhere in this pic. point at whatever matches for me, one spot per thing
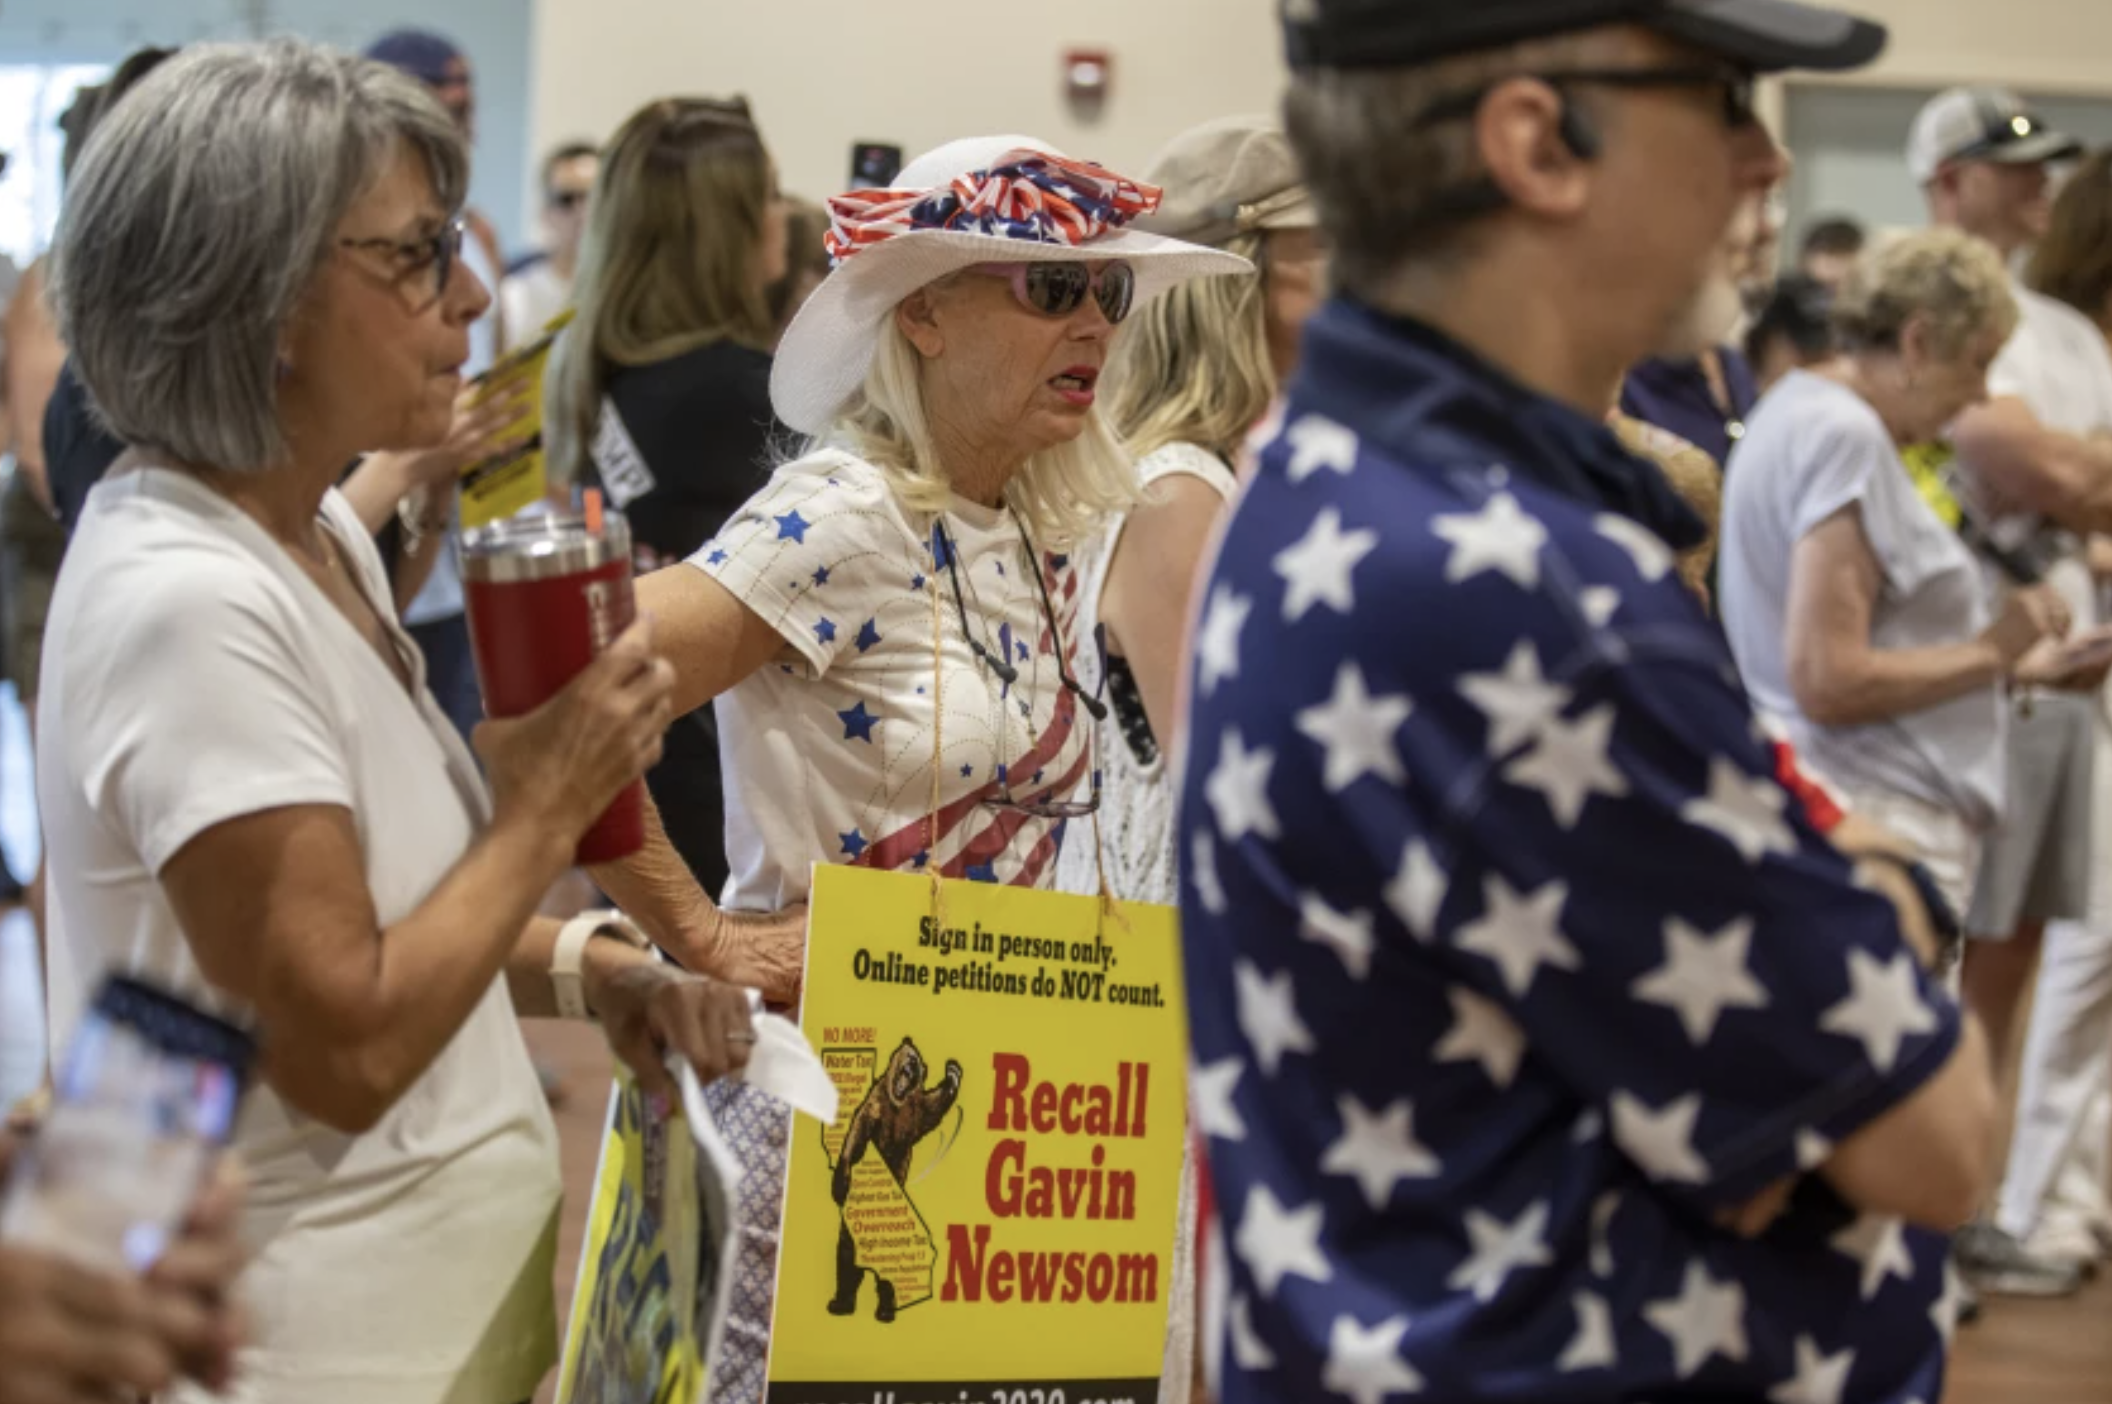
(1013, 1075)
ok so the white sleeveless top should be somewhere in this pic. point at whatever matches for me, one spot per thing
(1137, 796)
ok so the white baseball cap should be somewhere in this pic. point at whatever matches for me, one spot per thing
(1982, 124)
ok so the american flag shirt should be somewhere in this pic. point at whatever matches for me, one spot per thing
(1510, 962)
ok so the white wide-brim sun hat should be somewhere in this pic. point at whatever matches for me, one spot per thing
(828, 350)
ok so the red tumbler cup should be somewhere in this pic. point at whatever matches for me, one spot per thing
(546, 595)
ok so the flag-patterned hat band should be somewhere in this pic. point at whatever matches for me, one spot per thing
(1002, 199)
(1035, 196)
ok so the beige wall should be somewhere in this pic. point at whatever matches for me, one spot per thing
(823, 73)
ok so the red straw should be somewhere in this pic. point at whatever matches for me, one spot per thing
(593, 499)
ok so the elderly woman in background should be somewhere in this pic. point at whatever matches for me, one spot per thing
(250, 794)
(660, 389)
(1858, 618)
(890, 625)
(1188, 382)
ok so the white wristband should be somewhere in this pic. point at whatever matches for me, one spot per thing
(570, 954)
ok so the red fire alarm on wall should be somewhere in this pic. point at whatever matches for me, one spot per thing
(1088, 74)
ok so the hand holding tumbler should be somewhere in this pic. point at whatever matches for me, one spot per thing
(546, 595)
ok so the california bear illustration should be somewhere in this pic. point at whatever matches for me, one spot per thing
(898, 1111)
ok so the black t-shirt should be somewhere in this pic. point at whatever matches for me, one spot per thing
(77, 449)
(701, 423)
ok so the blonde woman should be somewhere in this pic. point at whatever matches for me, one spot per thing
(661, 388)
(1198, 371)
(890, 626)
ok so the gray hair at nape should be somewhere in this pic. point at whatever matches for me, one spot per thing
(204, 206)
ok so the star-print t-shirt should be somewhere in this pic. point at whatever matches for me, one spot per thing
(828, 752)
(1510, 962)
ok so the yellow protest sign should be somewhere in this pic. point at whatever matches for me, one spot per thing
(633, 1333)
(993, 1207)
(501, 485)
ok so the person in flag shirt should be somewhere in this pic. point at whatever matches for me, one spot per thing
(1545, 1050)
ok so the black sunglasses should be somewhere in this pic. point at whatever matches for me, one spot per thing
(1059, 289)
(438, 253)
(566, 199)
(1737, 84)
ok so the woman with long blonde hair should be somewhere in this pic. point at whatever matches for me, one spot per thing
(1188, 383)
(660, 389)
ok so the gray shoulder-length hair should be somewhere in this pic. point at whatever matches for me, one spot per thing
(202, 210)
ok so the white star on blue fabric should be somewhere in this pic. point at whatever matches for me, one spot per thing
(1706, 1318)
(1217, 642)
(1883, 1009)
(1483, 1033)
(1878, 1242)
(1518, 701)
(1417, 891)
(1500, 1249)
(1356, 730)
(1378, 1150)
(1599, 603)
(1592, 1347)
(1202, 871)
(1249, 1351)
(1347, 934)
(1521, 933)
(1317, 569)
(1275, 1242)
(1747, 812)
(1703, 975)
(1571, 762)
(1318, 442)
(1238, 790)
(1268, 1015)
(1661, 1141)
(1501, 537)
(1653, 559)
(1819, 1378)
(1214, 1085)
(1364, 1363)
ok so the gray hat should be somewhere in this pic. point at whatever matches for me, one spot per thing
(1982, 124)
(1234, 176)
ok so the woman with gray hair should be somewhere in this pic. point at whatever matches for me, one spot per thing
(1856, 614)
(889, 627)
(249, 792)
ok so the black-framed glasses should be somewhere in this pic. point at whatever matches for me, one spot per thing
(1737, 85)
(1007, 672)
(435, 254)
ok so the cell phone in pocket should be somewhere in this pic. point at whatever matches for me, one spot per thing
(874, 165)
(144, 1099)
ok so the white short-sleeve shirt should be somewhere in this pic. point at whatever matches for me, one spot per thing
(829, 753)
(193, 674)
(1813, 448)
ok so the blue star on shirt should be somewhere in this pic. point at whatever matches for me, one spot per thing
(916, 583)
(1002, 772)
(826, 631)
(717, 556)
(967, 771)
(1058, 562)
(858, 724)
(821, 575)
(854, 845)
(792, 527)
(939, 554)
(921, 860)
(869, 635)
(981, 872)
